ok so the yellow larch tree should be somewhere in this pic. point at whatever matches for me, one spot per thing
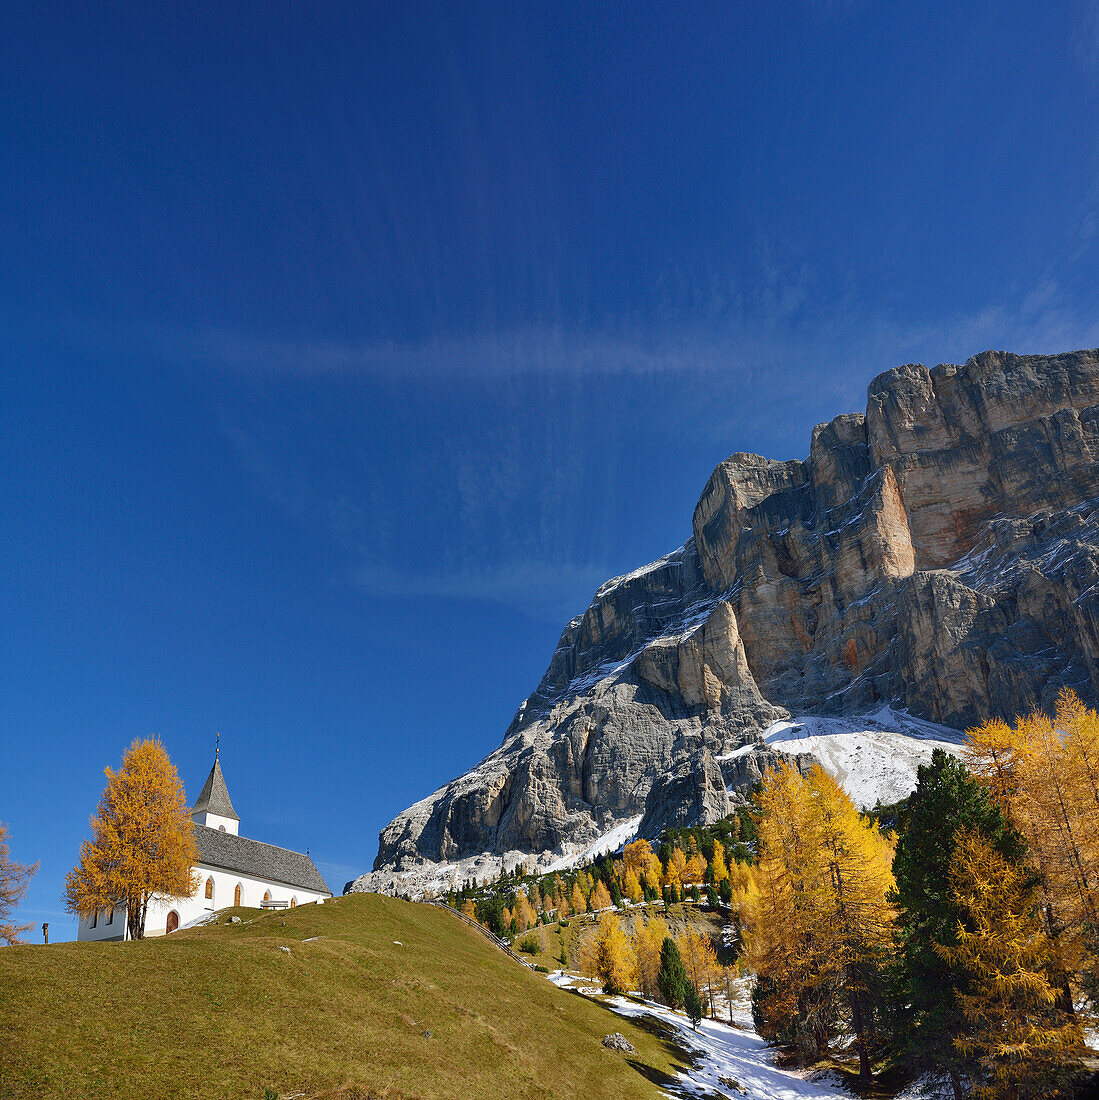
(523, 912)
(14, 878)
(640, 858)
(1045, 775)
(817, 922)
(616, 962)
(858, 920)
(720, 869)
(677, 866)
(561, 905)
(992, 754)
(700, 961)
(469, 909)
(649, 937)
(1026, 1044)
(143, 841)
(795, 980)
(577, 902)
(695, 871)
(630, 886)
(601, 897)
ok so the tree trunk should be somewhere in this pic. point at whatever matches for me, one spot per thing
(133, 919)
(956, 1085)
(860, 1037)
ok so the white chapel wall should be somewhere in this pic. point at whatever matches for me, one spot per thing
(225, 882)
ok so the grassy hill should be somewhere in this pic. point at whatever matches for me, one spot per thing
(222, 1011)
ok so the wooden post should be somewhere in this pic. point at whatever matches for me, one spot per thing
(46, 931)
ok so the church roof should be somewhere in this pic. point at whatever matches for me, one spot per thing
(214, 798)
(252, 857)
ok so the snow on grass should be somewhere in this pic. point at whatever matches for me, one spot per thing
(726, 1061)
(874, 757)
(201, 920)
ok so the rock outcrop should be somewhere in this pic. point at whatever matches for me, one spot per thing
(939, 553)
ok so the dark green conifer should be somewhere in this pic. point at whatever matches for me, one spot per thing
(947, 798)
(693, 1006)
(672, 977)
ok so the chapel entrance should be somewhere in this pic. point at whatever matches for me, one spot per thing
(173, 921)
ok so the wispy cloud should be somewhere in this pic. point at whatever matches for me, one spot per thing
(548, 586)
(528, 351)
(535, 423)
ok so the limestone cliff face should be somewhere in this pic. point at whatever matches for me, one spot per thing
(939, 553)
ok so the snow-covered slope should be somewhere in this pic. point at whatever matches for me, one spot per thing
(874, 756)
(611, 841)
(726, 1061)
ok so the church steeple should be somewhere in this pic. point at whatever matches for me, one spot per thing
(213, 807)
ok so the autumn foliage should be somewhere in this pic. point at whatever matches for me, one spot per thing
(142, 843)
(1023, 1040)
(962, 940)
(817, 917)
(1045, 774)
(14, 878)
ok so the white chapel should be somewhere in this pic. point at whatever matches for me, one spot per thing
(232, 870)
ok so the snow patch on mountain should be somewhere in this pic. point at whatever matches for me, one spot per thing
(874, 757)
(611, 841)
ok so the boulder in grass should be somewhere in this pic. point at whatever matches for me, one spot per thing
(618, 1042)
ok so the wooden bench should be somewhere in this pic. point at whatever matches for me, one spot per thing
(272, 904)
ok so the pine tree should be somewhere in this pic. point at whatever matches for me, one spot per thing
(14, 878)
(1026, 1045)
(143, 841)
(672, 978)
(693, 1006)
(946, 801)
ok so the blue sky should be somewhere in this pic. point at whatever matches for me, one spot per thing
(348, 348)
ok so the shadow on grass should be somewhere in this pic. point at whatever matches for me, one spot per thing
(682, 1058)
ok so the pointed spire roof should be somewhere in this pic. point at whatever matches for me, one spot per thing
(214, 798)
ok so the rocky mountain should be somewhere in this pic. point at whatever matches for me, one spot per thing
(938, 554)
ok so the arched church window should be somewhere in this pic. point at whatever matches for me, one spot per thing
(293, 902)
(95, 918)
(110, 915)
(173, 922)
(210, 888)
(267, 895)
(236, 895)
(221, 828)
